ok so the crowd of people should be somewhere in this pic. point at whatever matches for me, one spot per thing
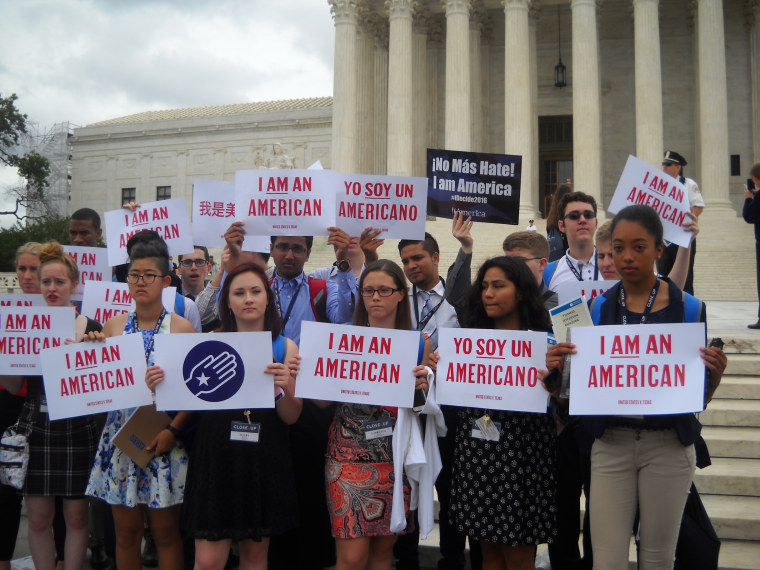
(317, 488)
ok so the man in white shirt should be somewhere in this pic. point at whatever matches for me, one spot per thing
(577, 220)
(531, 226)
(672, 164)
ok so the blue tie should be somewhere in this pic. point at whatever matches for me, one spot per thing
(426, 308)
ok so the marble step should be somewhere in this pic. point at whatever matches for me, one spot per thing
(739, 442)
(734, 518)
(738, 388)
(734, 555)
(743, 364)
(744, 413)
(731, 476)
(738, 343)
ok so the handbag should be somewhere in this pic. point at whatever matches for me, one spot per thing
(14, 457)
(698, 545)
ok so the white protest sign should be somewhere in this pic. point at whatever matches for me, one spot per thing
(397, 205)
(105, 299)
(642, 370)
(25, 331)
(223, 371)
(92, 263)
(213, 211)
(21, 300)
(285, 202)
(570, 290)
(93, 377)
(168, 218)
(642, 183)
(492, 369)
(364, 365)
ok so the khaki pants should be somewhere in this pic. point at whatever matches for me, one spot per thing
(648, 470)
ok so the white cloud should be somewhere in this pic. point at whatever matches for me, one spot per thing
(84, 61)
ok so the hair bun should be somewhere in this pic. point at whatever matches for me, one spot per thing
(50, 251)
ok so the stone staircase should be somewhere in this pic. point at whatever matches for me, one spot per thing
(730, 487)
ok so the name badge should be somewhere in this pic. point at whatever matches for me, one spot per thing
(43, 404)
(242, 431)
(379, 428)
(492, 431)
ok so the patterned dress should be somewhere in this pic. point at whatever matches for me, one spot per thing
(504, 491)
(360, 474)
(118, 480)
(60, 451)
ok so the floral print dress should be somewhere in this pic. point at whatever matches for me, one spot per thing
(117, 479)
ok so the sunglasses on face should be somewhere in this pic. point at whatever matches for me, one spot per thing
(575, 215)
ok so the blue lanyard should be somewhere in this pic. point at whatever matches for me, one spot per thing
(577, 273)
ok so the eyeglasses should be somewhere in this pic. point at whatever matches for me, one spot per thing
(296, 249)
(575, 215)
(524, 258)
(148, 278)
(382, 291)
(190, 262)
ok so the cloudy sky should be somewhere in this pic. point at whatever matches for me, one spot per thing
(85, 61)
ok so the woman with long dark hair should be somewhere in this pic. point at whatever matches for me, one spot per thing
(643, 463)
(360, 470)
(503, 492)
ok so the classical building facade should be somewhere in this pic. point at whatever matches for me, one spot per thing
(641, 76)
(158, 154)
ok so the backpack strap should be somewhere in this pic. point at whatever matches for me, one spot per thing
(595, 305)
(421, 349)
(318, 297)
(179, 305)
(549, 270)
(691, 308)
(278, 349)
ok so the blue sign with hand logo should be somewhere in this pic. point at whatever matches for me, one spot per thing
(213, 371)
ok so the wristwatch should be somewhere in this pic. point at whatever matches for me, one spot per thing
(343, 265)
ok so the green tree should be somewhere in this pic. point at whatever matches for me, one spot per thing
(36, 230)
(32, 166)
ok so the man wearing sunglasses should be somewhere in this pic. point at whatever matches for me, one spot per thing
(577, 220)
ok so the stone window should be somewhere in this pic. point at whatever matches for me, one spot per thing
(163, 192)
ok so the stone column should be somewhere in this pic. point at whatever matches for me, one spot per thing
(434, 47)
(587, 133)
(365, 103)
(400, 102)
(648, 81)
(181, 183)
(713, 105)
(145, 192)
(532, 20)
(419, 90)
(345, 124)
(518, 127)
(381, 100)
(457, 102)
(476, 85)
(754, 23)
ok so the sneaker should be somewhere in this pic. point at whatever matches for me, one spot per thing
(754, 326)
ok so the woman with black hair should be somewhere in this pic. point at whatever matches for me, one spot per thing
(503, 492)
(643, 463)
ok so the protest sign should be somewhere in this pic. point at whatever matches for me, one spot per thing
(94, 377)
(484, 186)
(168, 218)
(492, 369)
(92, 263)
(570, 290)
(364, 365)
(394, 204)
(21, 300)
(214, 211)
(642, 183)
(105, 299)
(285, 202)
(224, 371)
(26, 331)
(624, 370)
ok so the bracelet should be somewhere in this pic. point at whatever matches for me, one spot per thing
(174, 431)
